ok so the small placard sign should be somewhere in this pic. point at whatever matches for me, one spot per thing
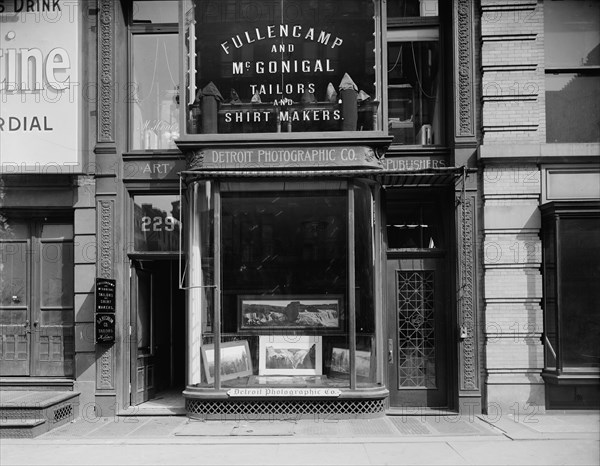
(105, 294)
(284, 392)
(105, 328)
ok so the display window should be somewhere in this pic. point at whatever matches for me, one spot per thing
(276, 297)
(280, 66)
(572, 321)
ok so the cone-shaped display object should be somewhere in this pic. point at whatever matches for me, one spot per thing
(210, 108)
(349, 93)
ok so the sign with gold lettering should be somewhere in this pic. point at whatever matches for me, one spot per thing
(285, 66)
(105, 294)
(286, 157)
(105, 328)
(285, 392)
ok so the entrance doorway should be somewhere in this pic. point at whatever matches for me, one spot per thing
(36, 297)
(158, 334)
(417, 343)
(418, 305)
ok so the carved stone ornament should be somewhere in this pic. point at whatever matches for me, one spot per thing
(105, 379)
(464, 87)
(195, 159)
(105, 239)
(106, 58)
(469, 373)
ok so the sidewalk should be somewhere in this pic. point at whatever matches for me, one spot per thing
(549, 439)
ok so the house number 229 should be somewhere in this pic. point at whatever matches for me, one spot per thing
(158, 223)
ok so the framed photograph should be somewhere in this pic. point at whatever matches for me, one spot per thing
(290, 355)
(235, 360)
(340, 362)
(312, 312)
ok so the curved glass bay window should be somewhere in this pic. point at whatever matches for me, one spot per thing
(275, 302)
(272, 66)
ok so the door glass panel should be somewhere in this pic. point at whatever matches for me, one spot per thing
(414, 226)
(57, 274)
(156, 222)
(57, 231)
(13, 278)
(416, 329)
(12, 230)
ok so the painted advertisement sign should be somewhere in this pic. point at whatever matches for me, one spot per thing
(39, 86)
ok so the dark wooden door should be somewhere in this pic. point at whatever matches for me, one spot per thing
(142, 341)
(36, 299)
(15, 302)
(417, 332)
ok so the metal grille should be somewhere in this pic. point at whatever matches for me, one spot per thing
(416, 329)
(63, 413)
(258, 409)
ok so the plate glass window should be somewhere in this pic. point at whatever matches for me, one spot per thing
(280, 66)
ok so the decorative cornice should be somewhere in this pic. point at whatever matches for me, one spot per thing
(106, 45)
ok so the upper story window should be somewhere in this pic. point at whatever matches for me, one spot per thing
(572, 60)
(272, 66)
(154, 96)
(414, 110)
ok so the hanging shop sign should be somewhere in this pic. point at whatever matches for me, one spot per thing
(105, 328)
(285, 157)
(40, 86)
(284, 392)
(285, 66)
(105, 294)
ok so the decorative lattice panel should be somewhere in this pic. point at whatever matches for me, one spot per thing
(63, 412)
(276, 408)
(416, 329)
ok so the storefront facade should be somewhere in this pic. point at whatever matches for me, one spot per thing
(321, 264)
(284, 198)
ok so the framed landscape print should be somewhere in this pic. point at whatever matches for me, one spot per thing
(312, 312)
(235, 360)
(340, 362)
(290, 355)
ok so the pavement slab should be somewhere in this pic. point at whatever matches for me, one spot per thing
(417, 440)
